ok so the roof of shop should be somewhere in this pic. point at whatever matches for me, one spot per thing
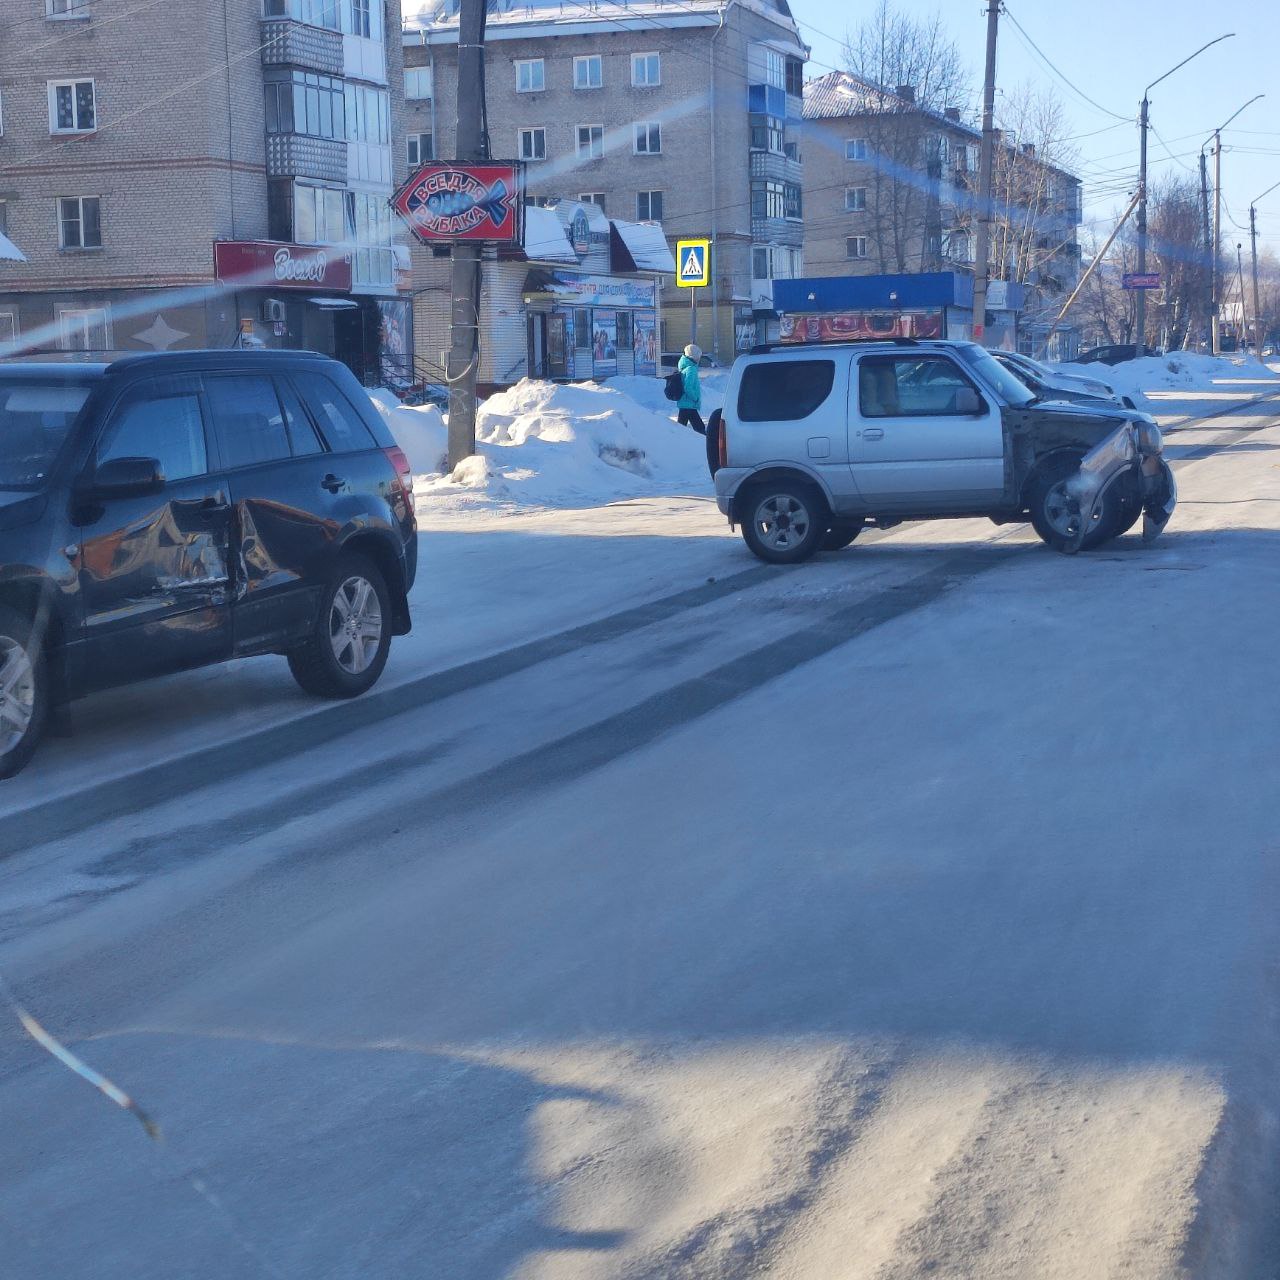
(544, 237)
(645, 244)
(9, 251)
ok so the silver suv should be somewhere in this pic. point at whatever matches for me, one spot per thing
(819, 441)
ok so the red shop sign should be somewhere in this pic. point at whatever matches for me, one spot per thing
(447, 202)
(268, 264)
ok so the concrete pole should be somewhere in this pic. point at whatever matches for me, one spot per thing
(1141, 316)
(985, 165)
(1204, 217)
(1217, 242)
(472, 145)
(1257, 310)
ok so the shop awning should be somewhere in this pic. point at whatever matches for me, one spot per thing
(9, 252)
(538, 283)
(333, 304)
(544, 237)
(639, 246)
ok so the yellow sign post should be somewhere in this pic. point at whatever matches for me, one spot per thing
(693, 272)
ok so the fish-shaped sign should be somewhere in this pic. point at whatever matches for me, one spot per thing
(462, 202)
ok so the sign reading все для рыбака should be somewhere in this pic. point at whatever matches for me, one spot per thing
(693, 263)
(454, 201)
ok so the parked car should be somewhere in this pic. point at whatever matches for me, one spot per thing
(818, 442)
(1114, 353)
(669, 359)
(1049, 384)
(173, 510)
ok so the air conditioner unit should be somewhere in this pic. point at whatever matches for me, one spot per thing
(273, 310)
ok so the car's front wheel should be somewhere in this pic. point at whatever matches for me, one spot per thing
(351, 636)
(784, 523)
(1056, 513)
(24, 691)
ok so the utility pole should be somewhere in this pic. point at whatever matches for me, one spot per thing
(1204, 217)
(1217, 241)
(985, 165)
(1241, 345)
(1257, 311)
(472, 145)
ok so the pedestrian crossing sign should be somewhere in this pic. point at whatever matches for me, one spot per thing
(693, 263)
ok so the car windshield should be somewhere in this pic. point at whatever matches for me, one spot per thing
(1011, 389)
(36, 413)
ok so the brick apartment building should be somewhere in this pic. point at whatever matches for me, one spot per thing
(135, 137)
(685, 114)
(889, 188)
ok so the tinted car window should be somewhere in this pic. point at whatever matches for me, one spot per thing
(784, 390)
(302, 433)
(909, 386)
(162, 422)
(35, 416)
(248, 419)
(336, 415)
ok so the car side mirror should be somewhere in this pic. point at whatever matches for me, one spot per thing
(968, 401)
(126, 478)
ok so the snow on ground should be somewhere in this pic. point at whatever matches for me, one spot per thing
(553, 445)
(1153, 377)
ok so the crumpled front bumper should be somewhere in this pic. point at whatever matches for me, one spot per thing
(1120, 459)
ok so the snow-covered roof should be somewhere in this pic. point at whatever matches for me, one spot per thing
(9, 251)
(646, 244)
(544, 237)
(839, 95)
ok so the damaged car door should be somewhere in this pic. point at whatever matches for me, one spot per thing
(152, 521)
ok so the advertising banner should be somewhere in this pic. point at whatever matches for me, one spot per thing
(602, 291)
(268, 264)
(445, 202)
(604, 343)
(845, 326)
(394, 345)
(644, 343)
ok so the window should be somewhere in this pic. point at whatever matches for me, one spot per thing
(362, 18)
(582, 329)
(336, 414)
(539, 202)
(79, 223)
(769, 200)
(592, 197)
(784, 390)
(625, 336)
(248, 420)
(8, 330)
(766, 134)
(774, 66)
(315, 13)
(958, 247)
(855, 149)
(369, 218)
(319, 216)
(66, 8)
(760, 264)
(306, 103)
(532, 144)
(417, 83)
(910, 387)
(162, 421)
(590, 141)
(4, 217)
(792, 201)
(303, 440)
(359, 22)
(588, 72)
(531, 75)
(648, 139)
(855, 199)
(855, 247)
(648, 206)
(72, 106)
(646, 70)
(795, 77)
(419, 149)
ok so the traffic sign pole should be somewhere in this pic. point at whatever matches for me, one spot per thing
(693, 316)
(693, 272)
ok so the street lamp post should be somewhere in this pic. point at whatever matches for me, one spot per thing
(1143, 122)
(1212, 240)
(1253, 242)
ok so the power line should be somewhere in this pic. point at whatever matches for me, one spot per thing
(1077, 91)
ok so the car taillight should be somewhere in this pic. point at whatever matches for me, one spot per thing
(404, 472)
(724, 441)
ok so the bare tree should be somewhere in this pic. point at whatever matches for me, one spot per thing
(1182, 304)
(910, 68)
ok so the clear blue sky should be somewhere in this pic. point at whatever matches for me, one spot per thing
(1109, 51)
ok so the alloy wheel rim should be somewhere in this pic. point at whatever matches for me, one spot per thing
(782, 522)
(1062, 511)
(355, 625)
(17, 693)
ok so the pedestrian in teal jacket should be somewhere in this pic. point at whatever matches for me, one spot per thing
(690, 403)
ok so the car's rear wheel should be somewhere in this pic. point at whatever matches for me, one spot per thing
(24, 691)
(840, 536)
(785, 523)
(351, 636)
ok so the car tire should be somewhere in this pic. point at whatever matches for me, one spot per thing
(784, 523)
(351, 635)
(24, 691)
(840, 536)
(1052, 510)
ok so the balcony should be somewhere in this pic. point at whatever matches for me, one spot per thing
(293, 155)
(773, 166)
(783, 231)
(286, 43)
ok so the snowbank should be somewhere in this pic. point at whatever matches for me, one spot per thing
(1177, 371)
(552, 445)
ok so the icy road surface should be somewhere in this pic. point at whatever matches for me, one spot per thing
(912, 912)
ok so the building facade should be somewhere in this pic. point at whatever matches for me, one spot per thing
(891, 186)
(208, 175)
(687, 115)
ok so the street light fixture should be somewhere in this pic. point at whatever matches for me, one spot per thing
(1143, 125)
(1214, 238)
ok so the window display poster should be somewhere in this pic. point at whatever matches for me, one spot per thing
(644, 342)
(604, 343)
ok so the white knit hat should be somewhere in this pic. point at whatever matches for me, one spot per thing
(694, 352)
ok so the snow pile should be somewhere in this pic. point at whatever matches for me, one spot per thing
(421, 432)
(1177, 371)
(547, 444)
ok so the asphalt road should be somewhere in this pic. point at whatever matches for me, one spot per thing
(792, 923)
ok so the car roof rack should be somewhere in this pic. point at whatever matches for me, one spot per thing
(763, 348)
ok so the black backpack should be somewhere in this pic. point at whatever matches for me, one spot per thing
(673, 388)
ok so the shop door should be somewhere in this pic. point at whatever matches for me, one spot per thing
(537, 345)
(557, 347)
